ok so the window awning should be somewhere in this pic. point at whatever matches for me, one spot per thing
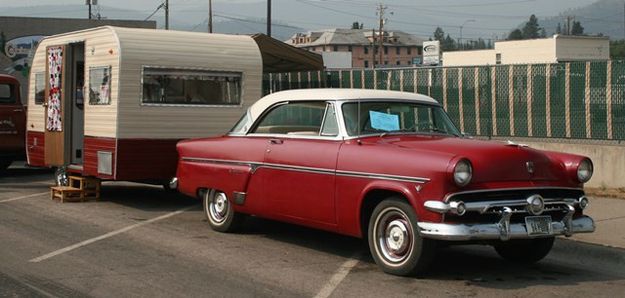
(281, 57)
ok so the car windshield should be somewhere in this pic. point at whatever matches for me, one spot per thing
(366, 118)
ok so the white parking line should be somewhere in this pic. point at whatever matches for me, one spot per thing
(107, 235)
(337, 278)
(25, 197)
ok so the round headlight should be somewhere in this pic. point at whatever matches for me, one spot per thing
(463, 173)
(584, 171)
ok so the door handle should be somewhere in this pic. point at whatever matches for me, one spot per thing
(18, 110)
(276, 141)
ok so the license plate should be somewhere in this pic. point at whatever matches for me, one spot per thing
(538, 225)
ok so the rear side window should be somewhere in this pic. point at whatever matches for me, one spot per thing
(7, 94)
(293, 118)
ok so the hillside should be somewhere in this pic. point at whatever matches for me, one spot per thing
(603, 16)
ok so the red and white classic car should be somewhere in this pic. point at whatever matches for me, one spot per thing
(386, 166)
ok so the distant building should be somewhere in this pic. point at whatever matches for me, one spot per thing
(400, 49)
(559, 48)
(19, 36)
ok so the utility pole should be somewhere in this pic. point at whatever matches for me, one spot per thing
(210, 16)
(166, 14)
(269, 18)
(88, 2)
(381, 9)
(568, 25)
(373, 48)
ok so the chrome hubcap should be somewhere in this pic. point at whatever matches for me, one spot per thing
(394, 235)
(218, 207)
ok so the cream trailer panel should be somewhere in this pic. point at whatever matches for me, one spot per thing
(178, 85)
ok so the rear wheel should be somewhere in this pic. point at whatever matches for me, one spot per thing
(394, 241)
(526, 251)
(219, 212)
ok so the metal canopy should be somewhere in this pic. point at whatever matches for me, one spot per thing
(281, 57)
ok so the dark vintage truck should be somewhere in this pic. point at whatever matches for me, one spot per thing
(12, 122)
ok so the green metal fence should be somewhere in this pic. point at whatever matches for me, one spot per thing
(577, 100)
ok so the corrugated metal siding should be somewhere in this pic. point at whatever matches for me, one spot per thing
(186, 50)
(99, 120)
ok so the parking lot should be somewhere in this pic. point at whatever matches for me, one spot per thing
(139, 240)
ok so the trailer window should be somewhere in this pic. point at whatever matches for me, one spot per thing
(40, 88)
(100, 85)
(169, 86)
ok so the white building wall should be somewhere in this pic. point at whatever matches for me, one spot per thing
(469, 58)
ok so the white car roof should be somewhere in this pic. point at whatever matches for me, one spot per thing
(334, 94)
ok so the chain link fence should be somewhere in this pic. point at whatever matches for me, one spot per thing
(577, 100)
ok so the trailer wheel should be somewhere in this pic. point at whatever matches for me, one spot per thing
(220, 214)
(4, 164)
(60, 177)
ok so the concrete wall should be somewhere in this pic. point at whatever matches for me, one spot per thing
(469, 58)
(573, 48)
(608, 159)
(527, 51)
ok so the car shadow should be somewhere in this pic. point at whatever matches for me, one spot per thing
(145, 197)
(569, 263)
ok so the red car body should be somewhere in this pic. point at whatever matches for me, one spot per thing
(12, 121)
(335, 183)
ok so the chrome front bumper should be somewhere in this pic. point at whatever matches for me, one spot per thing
(500, 231)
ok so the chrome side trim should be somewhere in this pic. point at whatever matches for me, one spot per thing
(256, 165)
(493, 231)
(382, 176)
(451, 195)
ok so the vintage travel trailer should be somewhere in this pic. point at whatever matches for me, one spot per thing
(113, 102)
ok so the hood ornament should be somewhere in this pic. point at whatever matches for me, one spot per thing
(530, 167)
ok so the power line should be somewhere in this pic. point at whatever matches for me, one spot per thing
(155, 11)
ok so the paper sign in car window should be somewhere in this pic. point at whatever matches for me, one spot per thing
(383, 121)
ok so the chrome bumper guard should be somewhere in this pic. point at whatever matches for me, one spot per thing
(503, 230)
(173, 183)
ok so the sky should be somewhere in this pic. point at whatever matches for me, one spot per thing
(478, 18)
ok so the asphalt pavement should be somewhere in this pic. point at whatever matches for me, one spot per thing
(139, 240)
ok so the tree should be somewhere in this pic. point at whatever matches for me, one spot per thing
(543, 33)
(448, 44)
(577, 29)
(516, 34)
(439, 34)
(559, 29)
(357, 25)
(531, 28)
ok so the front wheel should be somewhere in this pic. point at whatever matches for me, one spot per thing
(394, 241)
(219, 212)
(527, 251)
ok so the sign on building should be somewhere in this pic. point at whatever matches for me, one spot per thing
(431, 52)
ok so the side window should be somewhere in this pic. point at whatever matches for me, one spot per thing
(300, 118)
(100, 85)
(171, 86)
(40, 88)
(6, 94)
(330, 126)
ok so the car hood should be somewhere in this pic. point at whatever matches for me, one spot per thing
(491, 160)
